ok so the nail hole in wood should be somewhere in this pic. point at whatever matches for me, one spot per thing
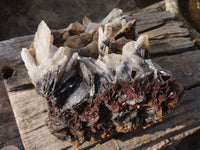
(7, 72)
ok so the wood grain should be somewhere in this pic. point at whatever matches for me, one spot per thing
(185, 67)
(170, 46)
(9, 134)
(148, 21)
(10, 57)
(166, 31)
(167, 36)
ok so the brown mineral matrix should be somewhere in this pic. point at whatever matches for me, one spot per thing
(98, 79)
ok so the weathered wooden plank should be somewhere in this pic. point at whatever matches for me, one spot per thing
(10, 58)
(171, 29)
(147, 18)
(147, 21)
(185, 67)
(9, 134)
(10, 49)
(170, 46)
(31, 110)
(169, 38)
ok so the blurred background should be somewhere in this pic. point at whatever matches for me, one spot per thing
(21, 17)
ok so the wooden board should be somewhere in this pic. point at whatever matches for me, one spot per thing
(167, 37)
(184, 66)
(9, 134)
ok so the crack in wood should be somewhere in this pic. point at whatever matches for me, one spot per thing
(66, 148)
(190, 87)
(168, 36)
(22, 87)
(166, 136)
(152, 28)
(44, 125)
(177, 51)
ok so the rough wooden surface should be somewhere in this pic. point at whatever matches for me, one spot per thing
(10, 57)
(167, 37)
(9, 134)
(31, 112)
(147, 21)
(184, 66)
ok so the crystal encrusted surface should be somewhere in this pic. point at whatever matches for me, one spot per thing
(98, 78)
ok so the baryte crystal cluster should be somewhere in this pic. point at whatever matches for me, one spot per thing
(98, 79)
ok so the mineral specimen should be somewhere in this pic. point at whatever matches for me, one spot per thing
(97, 78)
